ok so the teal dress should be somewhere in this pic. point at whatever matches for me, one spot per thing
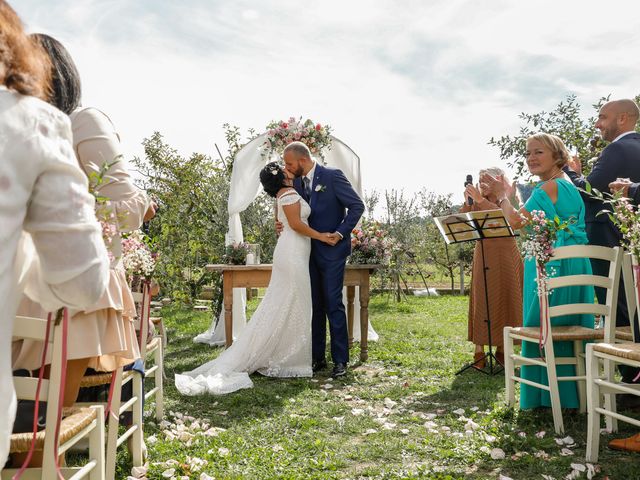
(569, 207)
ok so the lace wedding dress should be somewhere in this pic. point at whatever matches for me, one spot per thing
(277, 340)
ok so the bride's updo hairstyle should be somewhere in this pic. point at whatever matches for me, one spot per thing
(272, 178)
(555, 144)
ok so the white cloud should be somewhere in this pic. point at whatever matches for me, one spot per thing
(415, 88)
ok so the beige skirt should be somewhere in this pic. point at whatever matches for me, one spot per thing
(105, 333)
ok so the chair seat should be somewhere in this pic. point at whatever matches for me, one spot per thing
(568, 333)
(75, 419)
(101, 379)
(155, 320)
(624, 333)
(628, 351)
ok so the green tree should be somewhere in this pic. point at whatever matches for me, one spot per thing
(192, 219)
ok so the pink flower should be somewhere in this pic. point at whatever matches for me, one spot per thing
(318, 127)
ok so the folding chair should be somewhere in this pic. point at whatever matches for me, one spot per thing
(576, 334)
(77, 423)
(602, 386)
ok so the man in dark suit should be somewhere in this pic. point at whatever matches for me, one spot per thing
(620, 159)
(335, 207)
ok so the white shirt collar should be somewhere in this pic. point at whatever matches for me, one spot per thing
(311, 172)
(622, 135)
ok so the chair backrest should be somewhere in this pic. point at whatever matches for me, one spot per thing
(143, 307)
(630, 290)
(51, 390)
(610, 283)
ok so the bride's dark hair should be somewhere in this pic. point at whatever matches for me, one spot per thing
(272, 178)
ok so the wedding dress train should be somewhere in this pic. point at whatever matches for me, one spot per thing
(277, 340)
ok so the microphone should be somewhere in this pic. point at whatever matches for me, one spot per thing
(469, 181)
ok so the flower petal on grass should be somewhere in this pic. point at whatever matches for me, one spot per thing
(497, 454)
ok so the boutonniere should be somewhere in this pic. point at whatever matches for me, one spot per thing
(320, 188)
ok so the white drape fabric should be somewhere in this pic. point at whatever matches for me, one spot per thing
(245, 187)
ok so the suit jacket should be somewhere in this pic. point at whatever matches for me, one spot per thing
(335, 207)
(619, 159)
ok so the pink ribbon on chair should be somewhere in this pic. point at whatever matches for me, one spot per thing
(636, 277)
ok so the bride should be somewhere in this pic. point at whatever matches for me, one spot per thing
(277, 340)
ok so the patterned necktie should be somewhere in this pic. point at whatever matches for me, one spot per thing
(307, 187)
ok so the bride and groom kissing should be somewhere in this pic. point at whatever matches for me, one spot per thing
(317, 208)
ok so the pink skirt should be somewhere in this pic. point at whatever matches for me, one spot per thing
(105, 333)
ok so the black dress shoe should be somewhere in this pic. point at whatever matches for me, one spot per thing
(319, 365)
(339, 370)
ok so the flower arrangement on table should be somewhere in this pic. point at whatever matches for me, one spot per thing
(314, 135)
(236, 253)
(371, 244)
(137, 257)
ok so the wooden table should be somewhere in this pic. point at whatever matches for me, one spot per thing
(255, 276)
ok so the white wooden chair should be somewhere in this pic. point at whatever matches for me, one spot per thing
(117, 380)
(627, 334)
(602, 385)
(577, 334)
(151, 350)
(77, 423)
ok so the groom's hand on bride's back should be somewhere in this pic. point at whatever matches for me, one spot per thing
(279, 228)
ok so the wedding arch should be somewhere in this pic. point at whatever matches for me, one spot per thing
(245, 187)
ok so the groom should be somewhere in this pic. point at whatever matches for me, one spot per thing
(335, 207)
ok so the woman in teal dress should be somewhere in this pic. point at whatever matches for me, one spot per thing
(556, 196)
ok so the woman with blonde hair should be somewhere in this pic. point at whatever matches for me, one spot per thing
(556, 196)
(504, 278)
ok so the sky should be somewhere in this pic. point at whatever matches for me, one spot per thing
(415, 88)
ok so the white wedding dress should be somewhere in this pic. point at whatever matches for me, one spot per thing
(277, 340)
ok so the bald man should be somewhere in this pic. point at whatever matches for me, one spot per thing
(620, 159)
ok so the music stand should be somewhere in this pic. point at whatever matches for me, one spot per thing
(470, 227)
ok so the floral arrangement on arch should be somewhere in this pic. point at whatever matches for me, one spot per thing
(371, 244)
(314, 135)
(138, 259)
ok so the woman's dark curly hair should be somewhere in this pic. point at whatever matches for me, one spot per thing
(272, 178)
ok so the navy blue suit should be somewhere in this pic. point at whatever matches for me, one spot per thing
(335, 207)
(619, 159)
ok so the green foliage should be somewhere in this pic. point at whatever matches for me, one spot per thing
(409, 222)
(190, 225)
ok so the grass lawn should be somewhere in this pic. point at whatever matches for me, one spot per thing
(397, 416)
